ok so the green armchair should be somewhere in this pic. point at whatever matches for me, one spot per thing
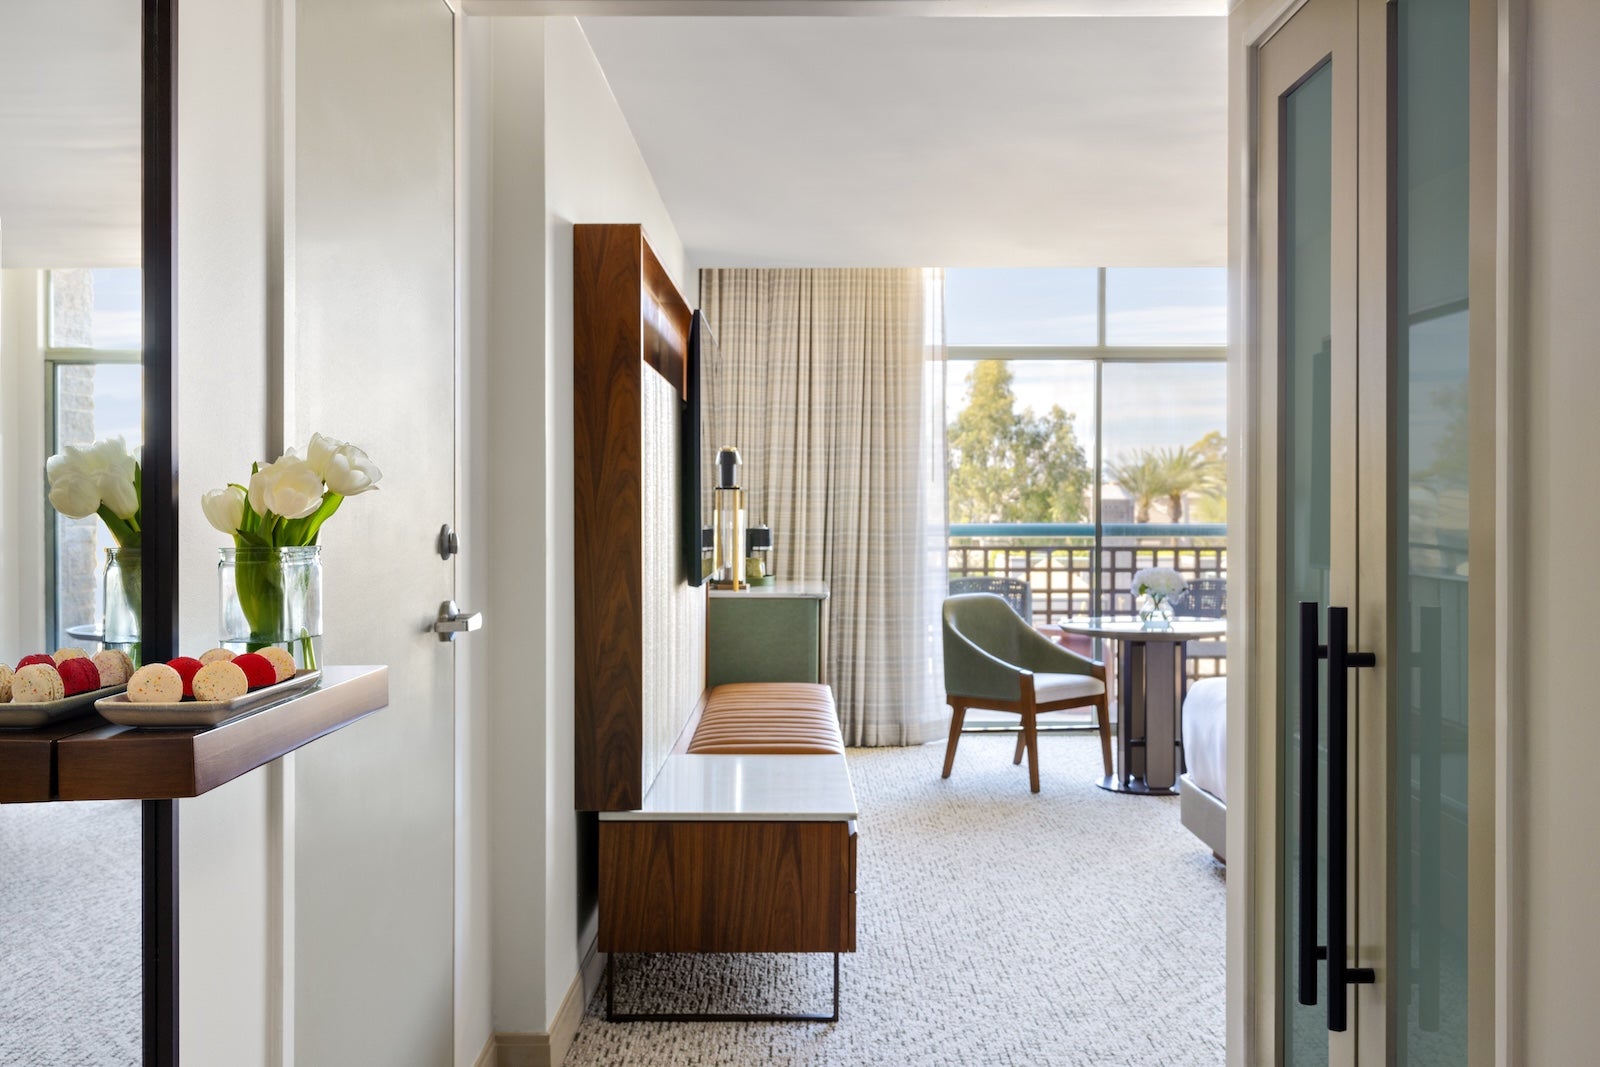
(995, 661)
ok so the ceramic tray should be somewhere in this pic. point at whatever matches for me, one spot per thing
(53, 710)
(124, 712)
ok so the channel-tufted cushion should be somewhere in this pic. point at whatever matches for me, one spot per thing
(768, 718)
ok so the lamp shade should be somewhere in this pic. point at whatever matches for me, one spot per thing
(758, 538)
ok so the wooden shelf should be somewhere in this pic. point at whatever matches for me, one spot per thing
(108, 762)
(28, 759)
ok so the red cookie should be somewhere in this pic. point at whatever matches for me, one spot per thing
(37, 657)
(258, 670)
(78, 676)
(187, 667)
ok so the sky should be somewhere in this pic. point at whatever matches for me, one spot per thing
(1146, 405)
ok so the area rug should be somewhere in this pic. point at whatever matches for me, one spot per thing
(69, 935)
(995, 927)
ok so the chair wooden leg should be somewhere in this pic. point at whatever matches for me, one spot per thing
(1104, 713)
(1030, 731)
(958, 712)
(1022, 746)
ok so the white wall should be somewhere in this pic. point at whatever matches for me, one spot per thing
(1556, 829)
(561, 153)
(22, 457)
(316, 893)
(225, 894)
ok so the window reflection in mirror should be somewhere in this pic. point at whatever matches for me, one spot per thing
(70, 159)
(70, 175)
(94, 388)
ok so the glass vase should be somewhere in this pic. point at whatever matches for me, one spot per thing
(1154, 611)
(272, 596)
(121, 601)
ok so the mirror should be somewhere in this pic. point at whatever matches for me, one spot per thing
(70, 298)
(70, 372)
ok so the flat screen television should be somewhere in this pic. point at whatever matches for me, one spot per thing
(691, 458)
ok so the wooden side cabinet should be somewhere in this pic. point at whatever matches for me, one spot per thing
(765, 634)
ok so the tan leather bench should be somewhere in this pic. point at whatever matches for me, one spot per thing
(768, 718)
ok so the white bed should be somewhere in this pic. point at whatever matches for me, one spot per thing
(1203, 786)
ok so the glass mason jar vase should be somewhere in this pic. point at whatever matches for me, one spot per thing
(1155, 611)
(121, 603)
(272, 596)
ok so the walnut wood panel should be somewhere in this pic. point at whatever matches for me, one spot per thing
(27, 759)
(626, 315)
(727, 887)
(123, 763)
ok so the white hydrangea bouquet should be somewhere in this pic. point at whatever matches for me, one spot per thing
(1155, 589)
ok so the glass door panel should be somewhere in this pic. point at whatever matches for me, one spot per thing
(1430, 500)
(1306, 328)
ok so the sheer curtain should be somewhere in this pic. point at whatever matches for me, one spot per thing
(831, 385)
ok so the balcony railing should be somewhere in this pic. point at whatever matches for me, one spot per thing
(1070, 576)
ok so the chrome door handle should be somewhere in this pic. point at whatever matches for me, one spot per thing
(452, 620)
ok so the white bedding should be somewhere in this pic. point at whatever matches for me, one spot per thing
(1205, 735)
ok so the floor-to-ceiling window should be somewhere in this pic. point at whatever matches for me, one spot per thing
(1087, 431)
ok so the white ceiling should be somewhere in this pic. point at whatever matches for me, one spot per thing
(69, 133)
(930, 141)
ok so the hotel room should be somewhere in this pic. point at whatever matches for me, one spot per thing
(1062, 300)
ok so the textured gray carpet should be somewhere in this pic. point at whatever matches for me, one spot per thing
(994, 927)
(69, 935)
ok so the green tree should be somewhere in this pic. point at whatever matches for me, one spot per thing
(1211, 503)
(1008, 465)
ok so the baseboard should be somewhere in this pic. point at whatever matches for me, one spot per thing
(544, 1050)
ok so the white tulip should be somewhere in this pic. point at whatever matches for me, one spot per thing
(72, 492)
(347, 469)
(287, 487)
(104, 471)
(224, 508)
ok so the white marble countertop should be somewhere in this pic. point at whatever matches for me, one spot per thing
(779, 590)
(765, 788)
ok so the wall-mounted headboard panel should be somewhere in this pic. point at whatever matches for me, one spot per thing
(640, 626)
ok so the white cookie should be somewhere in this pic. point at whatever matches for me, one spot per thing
(114, 666)
(155, 683)
(222, 680)
(5, 683)
(35, 684)
(216, 654)
(61, 655)
(281, 659)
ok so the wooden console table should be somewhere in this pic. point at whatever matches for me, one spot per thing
(754, 854)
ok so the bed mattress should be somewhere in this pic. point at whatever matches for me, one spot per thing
(1205, 735)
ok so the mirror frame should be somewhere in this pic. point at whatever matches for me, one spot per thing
(159, 197)
(159, 545)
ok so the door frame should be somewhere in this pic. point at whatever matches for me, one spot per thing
(1495, 248)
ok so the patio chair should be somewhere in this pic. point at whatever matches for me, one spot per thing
(1018, 593)
(1207, 598)
(995, 661)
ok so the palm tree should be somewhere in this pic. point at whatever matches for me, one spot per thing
(1182, 470)
(1140, 476)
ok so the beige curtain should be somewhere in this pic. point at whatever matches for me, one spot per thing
(831, 385)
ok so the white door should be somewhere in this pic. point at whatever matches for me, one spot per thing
(1362, 159)
(373, 313)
